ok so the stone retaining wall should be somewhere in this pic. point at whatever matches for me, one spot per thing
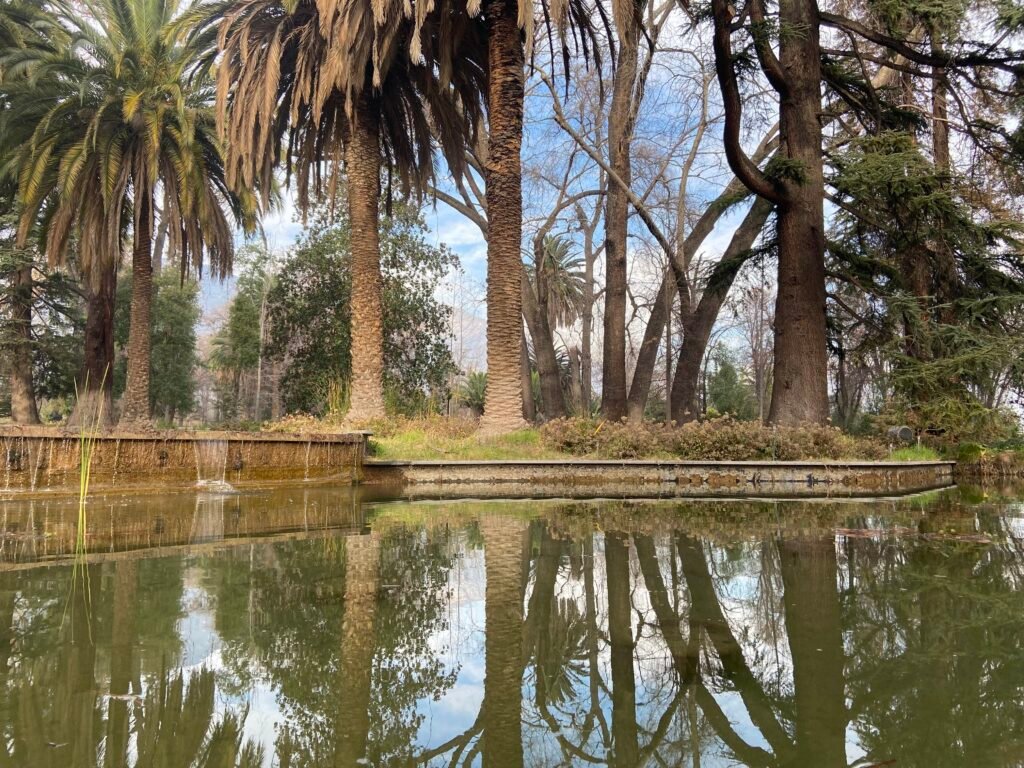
(550, 478)
(43, 459)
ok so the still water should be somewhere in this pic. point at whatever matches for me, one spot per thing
(308, 627)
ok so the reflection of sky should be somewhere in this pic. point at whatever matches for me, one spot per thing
(460, 648)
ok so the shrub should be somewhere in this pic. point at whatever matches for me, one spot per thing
(720, 439)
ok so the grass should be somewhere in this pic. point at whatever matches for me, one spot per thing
(915, 453)
(421, 443)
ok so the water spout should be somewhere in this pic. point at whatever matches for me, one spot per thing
(212, 466)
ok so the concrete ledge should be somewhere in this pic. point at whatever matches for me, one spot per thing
(657, 479)
(40, 459)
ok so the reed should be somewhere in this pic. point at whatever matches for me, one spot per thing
(88, 432)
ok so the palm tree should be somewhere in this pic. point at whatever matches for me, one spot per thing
(122, 117)
(561, 274)
(326, 84)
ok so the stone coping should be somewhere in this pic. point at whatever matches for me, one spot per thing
(826, 463)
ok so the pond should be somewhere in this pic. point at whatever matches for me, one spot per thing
(313, 627)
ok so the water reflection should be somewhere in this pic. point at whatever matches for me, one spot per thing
(525, 635)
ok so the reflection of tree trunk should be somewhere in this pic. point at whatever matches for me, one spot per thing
(814, 630)
(542, 600)
(706, 612)
(77, 703)
(625, 742)
(362, 559)
(503, 641)
(122, 665)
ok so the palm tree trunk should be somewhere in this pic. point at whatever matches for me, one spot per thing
(96, 379)
(23, 398)
(503, 406)
(136, 407)
(362, 160)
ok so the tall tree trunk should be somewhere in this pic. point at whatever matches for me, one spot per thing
(616, 221)
(136, 408)
(800, 391)
(358, 642)
(575, 383)
(625, 739)
(23, 396)
(505, 540)
(697, 327)
(814, 631)
(96, 379)
(529, 409)
(536, 314)
(362, 163)
(503, 406)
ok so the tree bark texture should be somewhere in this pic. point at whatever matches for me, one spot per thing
(23, 397)
(503, 405)
(616, 222)
(362, 161)
(136, 406)
(800, 390)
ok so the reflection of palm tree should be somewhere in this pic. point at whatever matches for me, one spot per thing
(362, 561)
(177, 730)
(503, 640)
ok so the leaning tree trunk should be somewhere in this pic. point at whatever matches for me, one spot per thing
(136, 409)
(616, 227)
(526, 376)
(698, 326)
(363, 166)
(503, 406)
(800, 390)
(95, 401)
(23, 396)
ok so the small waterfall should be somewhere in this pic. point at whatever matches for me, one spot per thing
(212, 465)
